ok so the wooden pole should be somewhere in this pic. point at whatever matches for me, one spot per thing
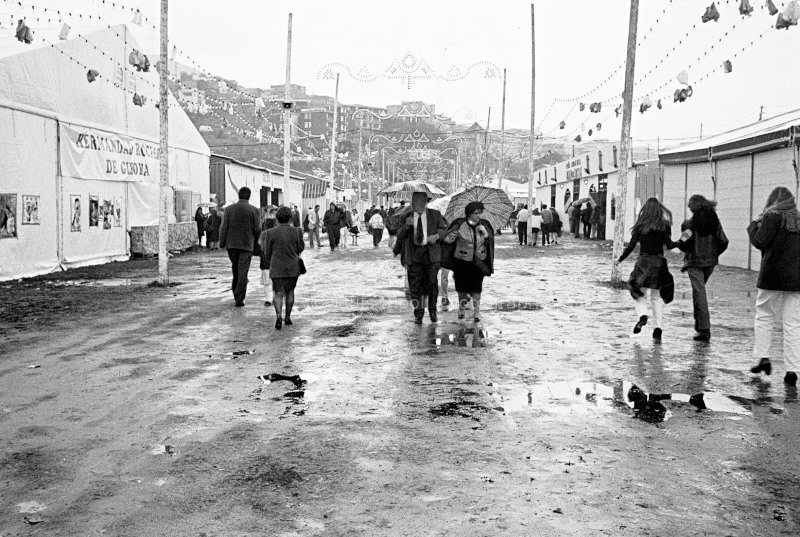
(331, 191)
(164, 190)
(531, 164)
(624, 145)
(502, 135)
(287, 111)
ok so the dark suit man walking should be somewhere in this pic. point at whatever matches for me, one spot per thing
(422, 234)
(241, 227)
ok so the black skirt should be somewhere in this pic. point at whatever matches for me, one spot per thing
(468, 277)
(284, 285)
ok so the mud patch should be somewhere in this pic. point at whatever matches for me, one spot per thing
(132, 360)
(341, 330)
(34, 431)
(32, 469)
(460, 409)
(187, 374)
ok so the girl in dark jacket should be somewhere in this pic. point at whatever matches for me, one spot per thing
(650, 279)
(777, 234)
(703, 241)
(200, 221)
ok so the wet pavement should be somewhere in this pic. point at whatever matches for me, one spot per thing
(168, 411)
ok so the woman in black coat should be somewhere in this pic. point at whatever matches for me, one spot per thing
(777, 234)
(200, 220)
(703, 241)
(280, 254)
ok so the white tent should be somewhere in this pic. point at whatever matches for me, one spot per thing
(79, 161)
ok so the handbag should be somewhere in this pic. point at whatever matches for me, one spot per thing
(302, 265)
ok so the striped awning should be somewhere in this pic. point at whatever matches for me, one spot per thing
(314, 189)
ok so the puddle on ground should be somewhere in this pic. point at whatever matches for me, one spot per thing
(460, 408)
(459, 336)
(111, 282)
(517, 305)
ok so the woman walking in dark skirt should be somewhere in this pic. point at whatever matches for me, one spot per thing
(473, 258)
(280, 254)
(650, 279)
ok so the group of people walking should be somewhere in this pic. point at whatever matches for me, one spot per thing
(545, 221)
(775, 232)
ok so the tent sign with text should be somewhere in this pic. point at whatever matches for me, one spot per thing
(94, 154)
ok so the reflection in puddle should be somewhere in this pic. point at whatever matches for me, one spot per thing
(111, 282)
(470, 337)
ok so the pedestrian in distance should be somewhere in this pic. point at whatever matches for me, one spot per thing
(651, 280)
(547, 219)
(295, 216)
(421, 235)
(241, 227)
(213, 223)
(594, 223)
(536, 225)
(391, 229)
(345, 223)
(332, 223)
(522, 225)
(702, 240)
(473, 257)
(376, 225)
(314, 225)
(266, 282)
(280, 252)
(555, 225)
(355, 228)
(601, 224)
(200, 221)
(777, 234)
(586, 219)
(574, 216)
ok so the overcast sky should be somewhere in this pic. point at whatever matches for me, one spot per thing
(579, 44)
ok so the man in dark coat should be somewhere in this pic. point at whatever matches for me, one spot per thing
(333, 226)
(241, 226)
(586, 218)
(422, 234)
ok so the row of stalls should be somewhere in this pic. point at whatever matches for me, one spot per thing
(737, 169)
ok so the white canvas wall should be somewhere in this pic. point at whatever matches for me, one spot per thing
(28, 167)
(733, 208)
(675, 190)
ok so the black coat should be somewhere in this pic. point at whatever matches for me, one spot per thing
(708, 240)
(280, 251)
(780, 253)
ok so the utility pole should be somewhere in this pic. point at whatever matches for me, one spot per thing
(163, 179)
(502, 135)
(287, 111)
(624, 145)
(701, 131)
(360, 164)
(486, 144)
(761, 113)
(333, 140)
(531, 165)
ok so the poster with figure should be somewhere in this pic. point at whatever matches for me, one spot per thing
(105, 213)
(8, 216)
(75, 207)
(94, 210)
(30, 210)
(117, 208)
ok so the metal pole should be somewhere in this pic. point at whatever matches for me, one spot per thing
(360, 164)
(486, 144)
(163, 183)
(287, 112)
(624, 145)
(332, 193)
(531, 164)
(502, 135)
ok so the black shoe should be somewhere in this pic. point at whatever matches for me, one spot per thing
(477, 320)
(288, 322)
(278, 323)
(240, 304)
(657, 333)
(434, 318)
(460, 316)
(790, 378)
(417, 320)
(703, 335)
(640, 324)
(764, 366)
(267, 303)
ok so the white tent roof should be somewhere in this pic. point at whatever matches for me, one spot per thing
(48, 77)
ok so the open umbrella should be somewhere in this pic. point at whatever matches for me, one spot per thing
(206, 204)
(406, 188)
(582, 201)
(497, 206)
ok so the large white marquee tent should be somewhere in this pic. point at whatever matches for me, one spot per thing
(79, 160)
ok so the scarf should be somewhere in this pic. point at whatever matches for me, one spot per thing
(788, 210)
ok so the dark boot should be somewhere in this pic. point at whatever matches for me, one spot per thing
(640, 324)
(703, 335)
(790, 378)
(764, 366)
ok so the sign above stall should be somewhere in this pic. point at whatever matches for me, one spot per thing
(94, 154)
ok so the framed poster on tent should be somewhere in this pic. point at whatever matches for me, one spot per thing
(8, 216)
(94, 210)
(30, 210)
(116, 209)
(75, 212)
(106, 212)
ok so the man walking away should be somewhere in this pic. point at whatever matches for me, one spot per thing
(422, 234)
(241, 227)
(547, 220)
(522, 225)
(555, 226)
(376, 225)
(586, 218)
(332, 225)
(314, 224)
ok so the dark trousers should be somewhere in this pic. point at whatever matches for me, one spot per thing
(423, 281)
(698, 276)
(522, 230)
(545, 233)
(240, 266)
(587, 230)
(377, 236)
(334, 233)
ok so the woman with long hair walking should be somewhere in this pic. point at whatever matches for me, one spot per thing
(650, 280)
(777, 234)
(703, 241)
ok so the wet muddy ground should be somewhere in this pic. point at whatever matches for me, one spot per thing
(130, 410)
